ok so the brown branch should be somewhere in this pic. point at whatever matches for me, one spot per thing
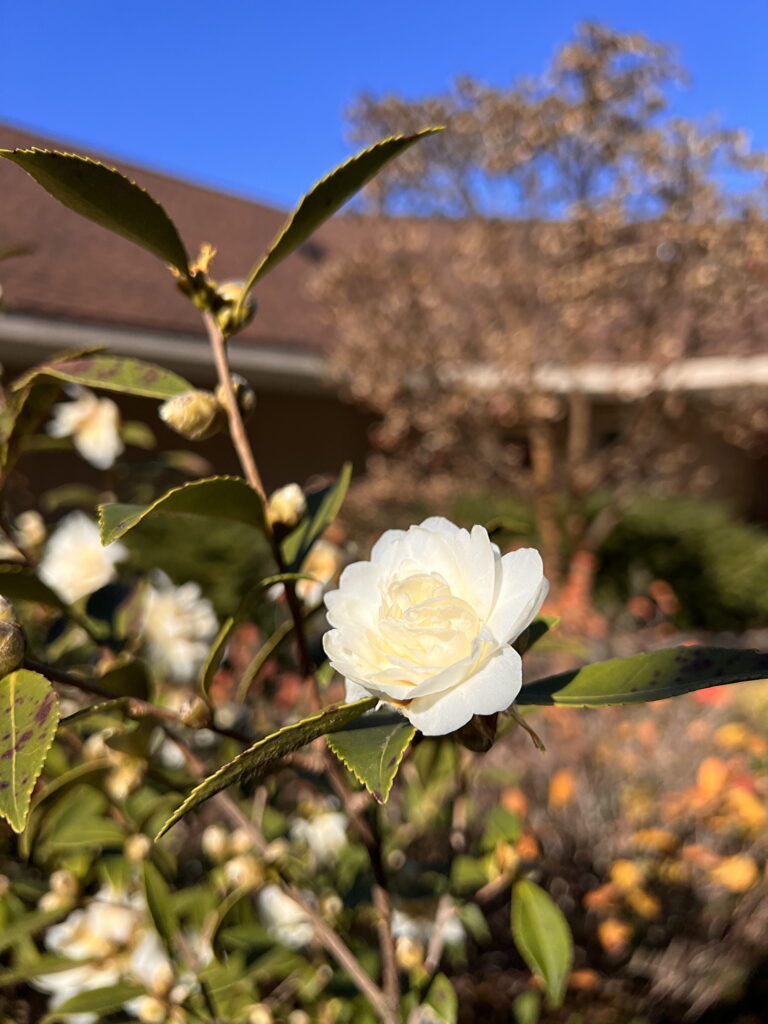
(236, 426)
(134, 707)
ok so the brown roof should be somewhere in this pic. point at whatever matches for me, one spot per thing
(80, 272)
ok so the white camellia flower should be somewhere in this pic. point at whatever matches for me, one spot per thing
(93, 424)
(325, 834)
(112, 938)
(178, 626)
(75, 562)
(284, 918)
(426, 624)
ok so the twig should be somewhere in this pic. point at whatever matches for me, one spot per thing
(134, 707)
(445, 911)
(372, 841)
(236, 425)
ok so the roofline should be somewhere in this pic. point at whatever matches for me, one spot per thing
(29, 339)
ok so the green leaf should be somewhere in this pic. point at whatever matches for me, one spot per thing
(104, 195)
(256, 760)
(29, 924)
(25, 412)
(325, 198)
(261, 657)
(111, 373)
(17, 583)
(527, 1008)
(542, 936)
(442, 998)
(646, 677)
(218, 497)
(29, 714)
(160, 907)
(216, 653)
(537, 629)
(129, 677)
(100, 1000)
(322, 508)
(372, 748)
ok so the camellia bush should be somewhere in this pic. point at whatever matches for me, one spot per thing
(216, 810)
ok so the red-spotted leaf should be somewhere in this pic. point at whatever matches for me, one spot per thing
(259, 758)
(111, 373)
(102, 194)
(29, 714)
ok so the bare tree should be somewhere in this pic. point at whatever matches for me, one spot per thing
(563, 240)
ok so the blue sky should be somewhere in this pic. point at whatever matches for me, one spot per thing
(251, 96)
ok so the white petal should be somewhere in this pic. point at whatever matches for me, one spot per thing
(521, 594)
(492, 689)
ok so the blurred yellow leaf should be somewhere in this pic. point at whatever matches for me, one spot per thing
(562, 788)
(737, 873)
(614, 935)
(626, 875)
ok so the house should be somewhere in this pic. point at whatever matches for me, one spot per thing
(78, 285)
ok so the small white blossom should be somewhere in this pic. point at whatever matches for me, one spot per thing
(427, 623)
(178, 626)
(325, 834)
(93, 424)
(322, 563)
(286, 506)
(284, 918)
(75, 562)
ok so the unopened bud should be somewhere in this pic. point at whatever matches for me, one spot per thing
(151, 1010)
(245, 396)
(286, 507)
(409, 954)
(260, 1013)
(12, 644)
(195, 415)
(214, 842)
(64, 883)
(137, 848)
(195, 713)
(229, 318)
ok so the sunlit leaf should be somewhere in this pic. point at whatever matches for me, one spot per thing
(31, 923)
(322, 508)
(542, 936)
(372, 748)
(29, 714)
(111, 373)
(256, 760)
(443, 1000)
(327, 196)
(218, 497)
(104, 195)
(647, 677)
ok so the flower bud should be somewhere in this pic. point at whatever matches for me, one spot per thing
(12, 643)
(228, 319)
(195, 713)
(245, 396)
(214, 842)
(195, 415)
(137, 848)
(286, 507)
(151, 1010)
(260, 1013)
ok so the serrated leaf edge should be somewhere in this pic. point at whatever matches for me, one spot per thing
(378, 797)
(9, 153)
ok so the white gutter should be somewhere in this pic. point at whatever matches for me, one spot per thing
(623, 380)
(26, 340)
